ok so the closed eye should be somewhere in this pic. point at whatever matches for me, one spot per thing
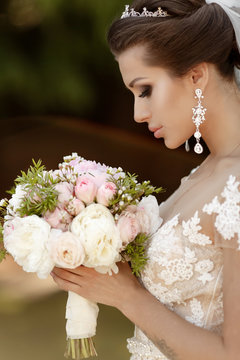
(146, 92)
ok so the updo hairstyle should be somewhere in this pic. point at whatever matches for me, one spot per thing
(193, 33)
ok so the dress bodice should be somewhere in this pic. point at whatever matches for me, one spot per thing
(185, 266)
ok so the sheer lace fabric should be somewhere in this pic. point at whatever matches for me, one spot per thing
(185, 266)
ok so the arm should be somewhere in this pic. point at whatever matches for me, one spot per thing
(174, 336)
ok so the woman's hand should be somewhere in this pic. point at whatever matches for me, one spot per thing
(113, 290)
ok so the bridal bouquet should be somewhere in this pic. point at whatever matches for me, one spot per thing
(83, 213)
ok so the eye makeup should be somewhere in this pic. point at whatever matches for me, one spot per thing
(146, 91)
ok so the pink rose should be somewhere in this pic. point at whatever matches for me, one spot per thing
(128, 227)
(58, 219)
(75, 206)
(65, 191)
(66, 249)
(85, 189)
(106, 192)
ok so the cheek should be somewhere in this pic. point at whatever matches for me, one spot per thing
(176, 105)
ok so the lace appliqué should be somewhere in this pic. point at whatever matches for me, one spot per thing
(219, 308)
(162, 293)
(191, 229)
(204, 267)
(143, 351)
(228, 219)
(197, 313)
(179, 269)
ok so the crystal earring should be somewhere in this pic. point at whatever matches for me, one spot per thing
(198, 118)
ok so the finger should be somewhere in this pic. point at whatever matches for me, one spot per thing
(83, 271)
(66, 275)
(65, 285)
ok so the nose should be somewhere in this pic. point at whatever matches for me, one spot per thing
(141, 112)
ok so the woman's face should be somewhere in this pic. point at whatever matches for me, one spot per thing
(163, 101)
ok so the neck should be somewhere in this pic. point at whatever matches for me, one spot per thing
(221, 130)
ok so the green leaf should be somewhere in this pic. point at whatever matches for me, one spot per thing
(135, 252)
(3, 254)
(39, 185)
(130, 191)
(1, 233)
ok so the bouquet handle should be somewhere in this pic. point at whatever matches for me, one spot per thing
(81, 315)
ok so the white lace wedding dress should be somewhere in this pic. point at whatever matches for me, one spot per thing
(185, 266)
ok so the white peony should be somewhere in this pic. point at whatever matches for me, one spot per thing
(27, 243)
(16, 200)
(150, 207)
(100, 237)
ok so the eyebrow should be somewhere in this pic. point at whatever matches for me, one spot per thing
(132, 83)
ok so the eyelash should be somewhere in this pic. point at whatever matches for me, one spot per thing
(146, 92)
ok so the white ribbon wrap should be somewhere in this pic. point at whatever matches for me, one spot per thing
(81, 316)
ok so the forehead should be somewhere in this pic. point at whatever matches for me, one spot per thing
(132, 65)
(132, 59)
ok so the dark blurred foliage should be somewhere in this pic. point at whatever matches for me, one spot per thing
(54, 58)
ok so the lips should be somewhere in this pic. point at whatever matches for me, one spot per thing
(157, 131)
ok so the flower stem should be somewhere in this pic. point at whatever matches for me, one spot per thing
(78, 349)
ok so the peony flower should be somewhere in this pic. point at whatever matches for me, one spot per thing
(85, 189)
(150, 207)
(143, 220)
(75, 206)
(66, 249)
(27, 243)
(58, 219)
(106, 192)
(17, 198)
(99, 178)
(8, 228)
(87, 166)
(65, 192)
(128, 225)
(96, 228)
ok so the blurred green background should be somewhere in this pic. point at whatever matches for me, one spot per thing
(54, 57)
(61, 92)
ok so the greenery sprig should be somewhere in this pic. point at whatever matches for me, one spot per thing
(39, 185)
(130, 191)
(135, 252)
(3, 252)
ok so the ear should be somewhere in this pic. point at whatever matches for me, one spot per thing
(199, 76)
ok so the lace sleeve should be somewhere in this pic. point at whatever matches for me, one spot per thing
(225, 211)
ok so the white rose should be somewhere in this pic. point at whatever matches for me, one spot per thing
(100, 237)
(27, 243)
(66, 249)
(150, 207)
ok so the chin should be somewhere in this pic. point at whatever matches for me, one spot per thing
(171, 145)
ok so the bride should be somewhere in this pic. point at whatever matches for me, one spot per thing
(178, 59)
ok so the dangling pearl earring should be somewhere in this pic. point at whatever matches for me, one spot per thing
(198, 118)
(187, 147)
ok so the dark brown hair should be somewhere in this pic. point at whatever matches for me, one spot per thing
(193, 33)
